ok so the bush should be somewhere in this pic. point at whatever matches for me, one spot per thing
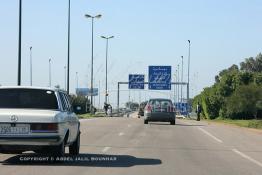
(82, 102)
(243, 103)
(236, 94)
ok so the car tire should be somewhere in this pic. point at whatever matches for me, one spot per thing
(145, 121)
(74, 148)
(42, 151)
(59, 150)
(173, 122)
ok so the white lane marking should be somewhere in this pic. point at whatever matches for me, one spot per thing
(106, 149)
(121, 133)
(247, 157)
(207, 133)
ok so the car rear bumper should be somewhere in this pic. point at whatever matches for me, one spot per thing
(30, 140)
(165, 117)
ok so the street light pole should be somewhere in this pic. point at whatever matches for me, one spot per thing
(19, 44)
(92, 56)
(50, 72)
(188, 75)
(99, 95)
(178, 82)
(68, 45)
(31, 67)
(175, 87)
(107, 38)
(188, 70)
(182, 71)
(65, 76)
(77, 80)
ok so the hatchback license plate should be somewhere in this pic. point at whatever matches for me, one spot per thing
(17, 129)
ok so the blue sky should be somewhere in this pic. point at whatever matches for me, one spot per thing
(146, 33)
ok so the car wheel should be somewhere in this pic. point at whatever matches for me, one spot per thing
(74, 148)
(60, 149)
(145, 121)
(173, 122)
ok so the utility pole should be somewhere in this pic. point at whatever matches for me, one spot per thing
(182, 71)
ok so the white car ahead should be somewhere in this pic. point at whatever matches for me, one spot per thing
(37, 119)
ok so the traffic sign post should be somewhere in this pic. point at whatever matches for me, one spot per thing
(136, 81)
(159, 78)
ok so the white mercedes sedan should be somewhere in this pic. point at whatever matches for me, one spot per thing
(37, 119)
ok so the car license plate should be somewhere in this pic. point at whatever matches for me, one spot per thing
(16, 129)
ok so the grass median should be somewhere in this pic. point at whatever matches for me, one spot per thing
(257, 124)
(88, 115)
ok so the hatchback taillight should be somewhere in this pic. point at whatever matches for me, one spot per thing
(171, 109)
(44, 127)
(148, 108)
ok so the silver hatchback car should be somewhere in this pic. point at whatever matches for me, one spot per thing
(37, 119)
(160, 109)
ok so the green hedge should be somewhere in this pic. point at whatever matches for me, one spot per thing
(236, 93)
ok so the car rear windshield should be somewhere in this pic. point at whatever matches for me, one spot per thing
(160, 103)
(28, 98)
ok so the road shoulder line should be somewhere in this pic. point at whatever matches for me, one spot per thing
(247, 157)
(210, 135)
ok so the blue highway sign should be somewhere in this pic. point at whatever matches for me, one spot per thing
(136, 81)
(159, 78)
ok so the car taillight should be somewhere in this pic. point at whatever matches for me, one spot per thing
(44, 127)
(171, 109)
(52, 127)
(148, 108)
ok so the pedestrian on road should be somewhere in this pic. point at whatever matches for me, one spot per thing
(198, 111)
(110, 110)
(105, 108)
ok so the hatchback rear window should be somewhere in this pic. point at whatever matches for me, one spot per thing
(28, 98)
(160, 103)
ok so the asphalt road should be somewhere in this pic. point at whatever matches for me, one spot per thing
(120, 146)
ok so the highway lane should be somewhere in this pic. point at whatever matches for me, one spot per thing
(127, 146)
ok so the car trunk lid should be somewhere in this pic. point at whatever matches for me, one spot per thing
(27, 115)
